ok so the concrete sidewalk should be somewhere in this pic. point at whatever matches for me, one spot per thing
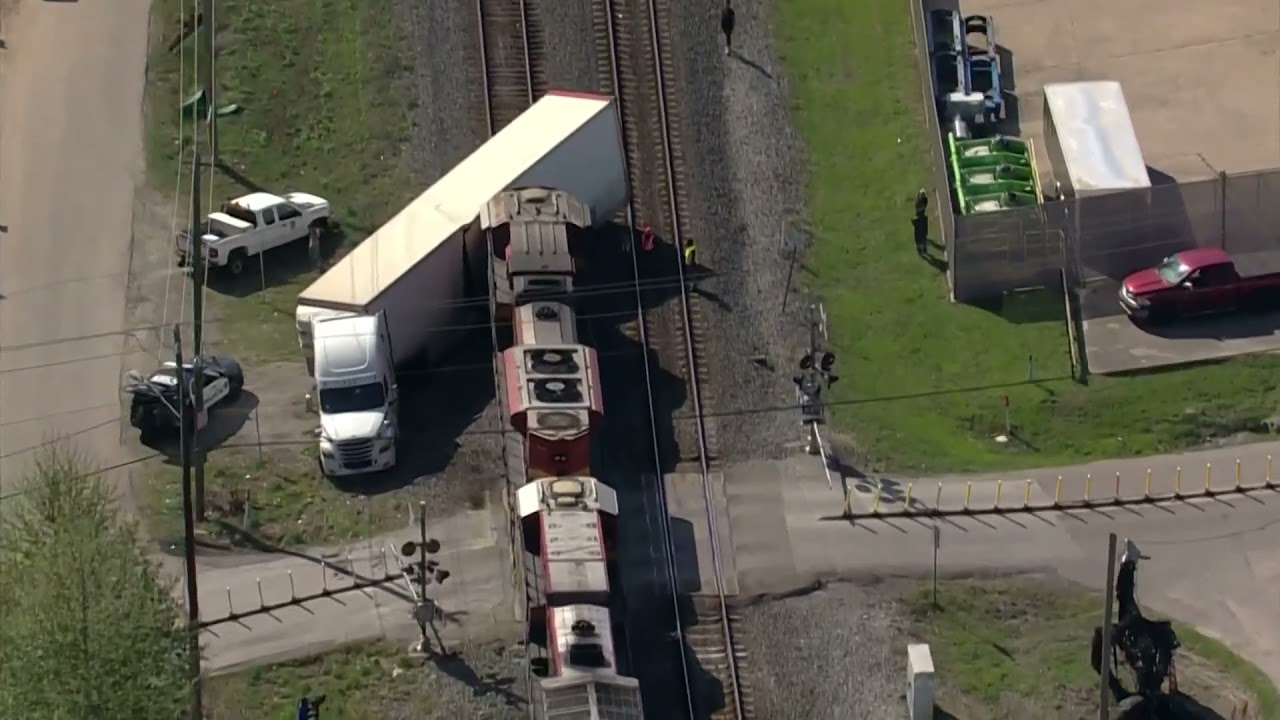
(478, 600)
(1215, 562)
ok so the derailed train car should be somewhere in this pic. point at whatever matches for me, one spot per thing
(568, 517)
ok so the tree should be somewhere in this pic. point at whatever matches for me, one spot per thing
(87, 628)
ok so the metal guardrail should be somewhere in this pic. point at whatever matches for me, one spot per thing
(1014, 496)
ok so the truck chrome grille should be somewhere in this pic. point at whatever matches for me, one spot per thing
(355, 453)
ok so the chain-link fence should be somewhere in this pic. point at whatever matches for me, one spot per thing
(1102, 238)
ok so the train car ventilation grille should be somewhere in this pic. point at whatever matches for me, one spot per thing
(553, 362)
(557, 421)
(557, 391)
(587, 654)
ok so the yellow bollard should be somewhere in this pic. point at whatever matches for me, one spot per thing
(906, 501)
(875, 505)
(1146, 485)
(1177, 482)
(1117, 486)
(1208, 478)
(937, 503)
(1088, 483)
(1237, 473)
(1057, 491)
(999, 484)
(968, 487)
(1026, 495)
(848, 503)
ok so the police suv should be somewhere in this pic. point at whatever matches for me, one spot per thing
(154, 406)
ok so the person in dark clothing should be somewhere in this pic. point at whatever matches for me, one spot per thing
(726, 26)
(920, 222)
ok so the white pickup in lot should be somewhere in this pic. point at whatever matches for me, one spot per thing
(255, 223)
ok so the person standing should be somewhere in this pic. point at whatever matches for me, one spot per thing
(690, 254)
(726, 26)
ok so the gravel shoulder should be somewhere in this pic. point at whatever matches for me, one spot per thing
(831, 654)
(745, 179)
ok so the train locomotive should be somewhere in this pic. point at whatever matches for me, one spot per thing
(568, 518)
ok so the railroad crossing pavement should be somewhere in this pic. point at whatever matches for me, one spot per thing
(71, 76)
(477, 601)
(1215, 563)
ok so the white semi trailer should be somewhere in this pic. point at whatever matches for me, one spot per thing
(416, 269)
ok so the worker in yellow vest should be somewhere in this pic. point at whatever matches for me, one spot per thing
(690, 254)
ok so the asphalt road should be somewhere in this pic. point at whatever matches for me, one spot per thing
(70, 153)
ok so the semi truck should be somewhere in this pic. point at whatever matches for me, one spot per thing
(1202, 281)
(427, 267)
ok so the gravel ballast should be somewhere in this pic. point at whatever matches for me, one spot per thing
(833, 654)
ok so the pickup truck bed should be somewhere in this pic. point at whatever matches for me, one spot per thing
(1258, 264)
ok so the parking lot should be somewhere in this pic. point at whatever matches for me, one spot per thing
(1113, 344)
(1202, 80)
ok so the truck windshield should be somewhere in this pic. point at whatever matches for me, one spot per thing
(352, 399)
(1172, 270)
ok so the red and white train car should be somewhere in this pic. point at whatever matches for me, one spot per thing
(569, 519)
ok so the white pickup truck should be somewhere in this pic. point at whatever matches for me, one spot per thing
(255, 223)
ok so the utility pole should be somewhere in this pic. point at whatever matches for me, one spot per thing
(1104, 699)
(188, 535)
(207, 80)
(197, 324)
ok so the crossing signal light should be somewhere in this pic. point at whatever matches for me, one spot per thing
(410, 548)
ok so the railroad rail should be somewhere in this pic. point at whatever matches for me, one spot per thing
(511, 50)
(635, 68)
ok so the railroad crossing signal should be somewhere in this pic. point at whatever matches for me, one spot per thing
(425, 571)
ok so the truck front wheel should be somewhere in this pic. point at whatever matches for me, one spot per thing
(237, 261)
(1161, 315)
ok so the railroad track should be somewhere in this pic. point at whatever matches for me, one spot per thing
(635, 68)
(511, 51)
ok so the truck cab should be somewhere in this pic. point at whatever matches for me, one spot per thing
(255, 223)
(1202, 281)
(356, 394)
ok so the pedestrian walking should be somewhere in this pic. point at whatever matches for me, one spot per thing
(726, 27)
(690, 254)
(922, 202)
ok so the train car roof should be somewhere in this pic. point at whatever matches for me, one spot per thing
(356, 280)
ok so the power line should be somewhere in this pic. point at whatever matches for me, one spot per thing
(91, 473)
(467, 303)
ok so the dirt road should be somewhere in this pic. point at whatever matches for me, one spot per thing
(70, 154)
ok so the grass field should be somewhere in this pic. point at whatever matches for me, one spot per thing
(375, 681)
(1017, 649)
(279, 500)
(925, 380)
(322, 84)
